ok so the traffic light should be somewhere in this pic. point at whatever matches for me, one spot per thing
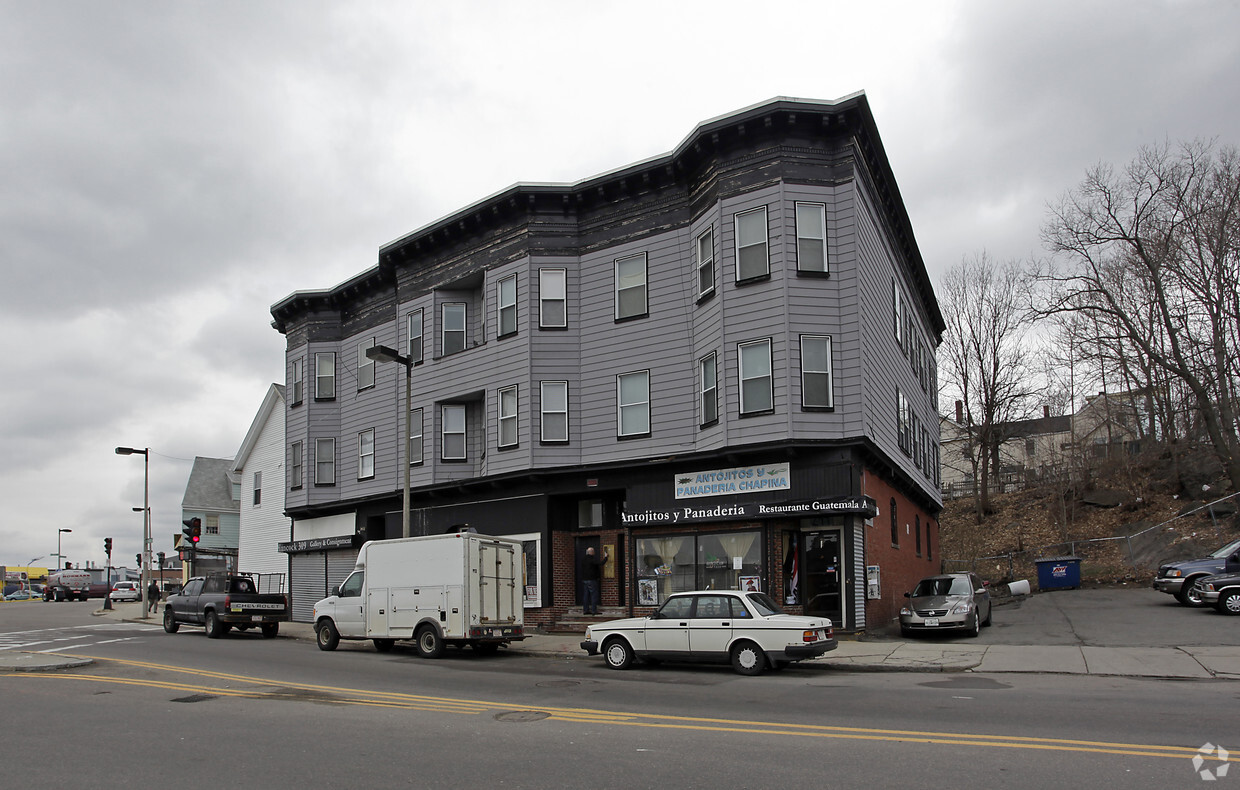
(107, 546)
(138, 560)
(192, 529)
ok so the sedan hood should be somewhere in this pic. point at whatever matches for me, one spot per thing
(938, 601)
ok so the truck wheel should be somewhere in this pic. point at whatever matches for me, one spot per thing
(748, 659)
(1229, 602)
(617, 653)
(326, 636)
(384, 645)
(1188, 595)
(213, 627)
(170, 621)
(270, 629)
(429, 643)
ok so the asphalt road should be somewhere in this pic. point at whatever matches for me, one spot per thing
(185, 710)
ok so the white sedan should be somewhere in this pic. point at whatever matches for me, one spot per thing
(125, 591)
(746, 628)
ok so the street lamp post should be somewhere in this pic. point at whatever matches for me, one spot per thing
(146, 518)
(386, 354)
(60, 558)
(30, 584)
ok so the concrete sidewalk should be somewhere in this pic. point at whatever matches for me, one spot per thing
(1197, 662)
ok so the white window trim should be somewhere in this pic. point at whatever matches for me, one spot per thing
(645, 286)
(463, 331)
(769, 375)
(363, 456)
(319, 358)
(365, 366)
(415, 432)
(547, 293)
(319, 444)
(712, 390)
(766, 242)
(503, 304)
(544, 411)
(709, 261)
(414, 349)
(444, 433)
(298, 382)
(296, 463)
(829, 372)
(257, 499)
(508, 418)
(822, 211)
(620, 404)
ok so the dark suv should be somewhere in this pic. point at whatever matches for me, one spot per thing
(1178, 578)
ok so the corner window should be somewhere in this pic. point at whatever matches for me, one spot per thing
(258, 488)
(506, 299)
(552, 298)
(633, 399)
(554, 400)
(453, 439)
(751, 251)
(706, 263)
(324, 462)
(631, 287)
(508, 417)
(365, 365)
(415, 437)
(324, 375)
(755, 377)
(297, 382)
(453, 327)
(816, 372)
(812, 238)
(414, 334)
(917, 533)
(895, 524)
(708, 380)
(366, 454)
(903, 419)
(295, 465)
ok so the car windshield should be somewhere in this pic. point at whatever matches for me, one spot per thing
(1227, 550)
(955, 585)
(763, 603)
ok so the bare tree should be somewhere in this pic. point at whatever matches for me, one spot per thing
(986, 363)
(1152, 254)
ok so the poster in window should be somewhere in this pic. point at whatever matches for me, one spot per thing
(647, 592)
(751, 583)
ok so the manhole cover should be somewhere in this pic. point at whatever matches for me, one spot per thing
(558, 683)
(521, 715)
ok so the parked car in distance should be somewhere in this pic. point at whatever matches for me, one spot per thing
(714, 626)
(24, 595)
(1222, 591)
(126, 591)
(949, 601)
(1179, 578)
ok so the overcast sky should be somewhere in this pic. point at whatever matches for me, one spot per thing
(168, 171)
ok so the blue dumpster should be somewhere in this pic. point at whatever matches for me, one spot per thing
(1058, 573)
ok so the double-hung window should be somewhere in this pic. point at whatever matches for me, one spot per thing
(453, 327)
(324, 462)
(413, 323)
(554, 423)
(633, 400)
(755, 376)
(705, 261)
(552, 298)
(365, 365)
(508, 417)
(751, 247)
(506, 298)
(366, 454)
(415, 437)
(295, 465)
(258, 488)
(631, 286)
(297, 380)
(812, 238)
(453, 446)
(324, 375)
(708, 388)
(816, 372)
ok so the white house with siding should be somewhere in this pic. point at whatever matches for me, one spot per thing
(259, 466)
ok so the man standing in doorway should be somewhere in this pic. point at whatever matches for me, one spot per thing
(590, 572)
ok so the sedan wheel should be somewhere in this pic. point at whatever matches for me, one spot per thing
(976, 630)
(618, 654)
(748, 658)
(1229, 602)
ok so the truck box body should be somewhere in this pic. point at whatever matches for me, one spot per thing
(467, 587)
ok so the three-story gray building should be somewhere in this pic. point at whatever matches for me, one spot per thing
(718, 364)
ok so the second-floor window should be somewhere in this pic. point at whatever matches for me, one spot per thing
(812, 238)
(751, 253)
(706, 263)
(324, 375)
(415, 437)
(365, 365)
(554, 422)
(755, 377)
(508, 417)
(366, 454)
(295, 465)
(708, 379)
(633, 403)
(453, 439)
(413, 324)
(258, 488)
(506, 299)
(453, 327)
(324, 462)
(297, 382)
(552, 298)
(631, 286)
(816, 372)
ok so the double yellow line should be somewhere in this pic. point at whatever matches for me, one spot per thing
(263, 688)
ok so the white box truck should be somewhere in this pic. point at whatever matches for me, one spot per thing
(456, 589)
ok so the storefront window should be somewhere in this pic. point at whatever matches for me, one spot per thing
(725, 561)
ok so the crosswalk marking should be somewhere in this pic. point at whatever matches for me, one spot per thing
(99, 632)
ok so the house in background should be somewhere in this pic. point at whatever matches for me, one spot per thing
(213, 494)
(259, 467)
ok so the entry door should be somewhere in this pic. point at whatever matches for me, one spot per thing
(580, 550)
(824, 575)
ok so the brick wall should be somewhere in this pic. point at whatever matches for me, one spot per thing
(900, 566)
